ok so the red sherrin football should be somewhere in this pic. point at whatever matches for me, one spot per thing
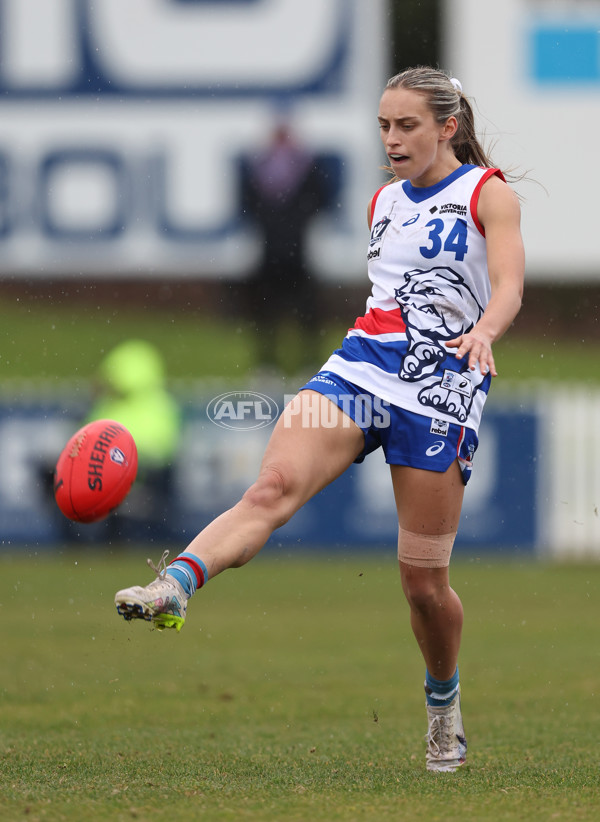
(95, 471)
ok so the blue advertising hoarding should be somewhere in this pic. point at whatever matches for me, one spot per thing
(215, 465)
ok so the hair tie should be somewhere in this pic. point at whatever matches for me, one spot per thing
(457, 84)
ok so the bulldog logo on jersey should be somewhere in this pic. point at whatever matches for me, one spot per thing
(437, 306)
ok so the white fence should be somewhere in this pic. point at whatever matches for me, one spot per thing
(569, 472)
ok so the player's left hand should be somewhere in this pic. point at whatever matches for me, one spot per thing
(478, 347)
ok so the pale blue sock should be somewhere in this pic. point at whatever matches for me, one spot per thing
(439, 693)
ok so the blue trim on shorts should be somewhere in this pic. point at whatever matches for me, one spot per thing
(405, 437)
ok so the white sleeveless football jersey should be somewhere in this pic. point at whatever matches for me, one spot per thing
(428, 266)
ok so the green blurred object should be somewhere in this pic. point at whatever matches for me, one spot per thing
(132, 390)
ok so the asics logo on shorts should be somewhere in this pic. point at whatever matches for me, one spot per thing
(435, 448)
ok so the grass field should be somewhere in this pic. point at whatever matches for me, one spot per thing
(43, 340)
(294, 692)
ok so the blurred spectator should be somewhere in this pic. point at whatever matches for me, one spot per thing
(282, 188)
(131, 389)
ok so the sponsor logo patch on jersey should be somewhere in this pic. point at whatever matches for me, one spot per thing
(439, 428)
(379, 230)
(453, 208)
(460, 383)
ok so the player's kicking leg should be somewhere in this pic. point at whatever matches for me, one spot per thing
(313, 442)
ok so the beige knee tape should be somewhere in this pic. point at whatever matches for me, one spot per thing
(425, 550)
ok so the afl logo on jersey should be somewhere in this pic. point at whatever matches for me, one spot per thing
(379, 230)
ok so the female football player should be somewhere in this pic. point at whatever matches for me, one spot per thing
(446, 262)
